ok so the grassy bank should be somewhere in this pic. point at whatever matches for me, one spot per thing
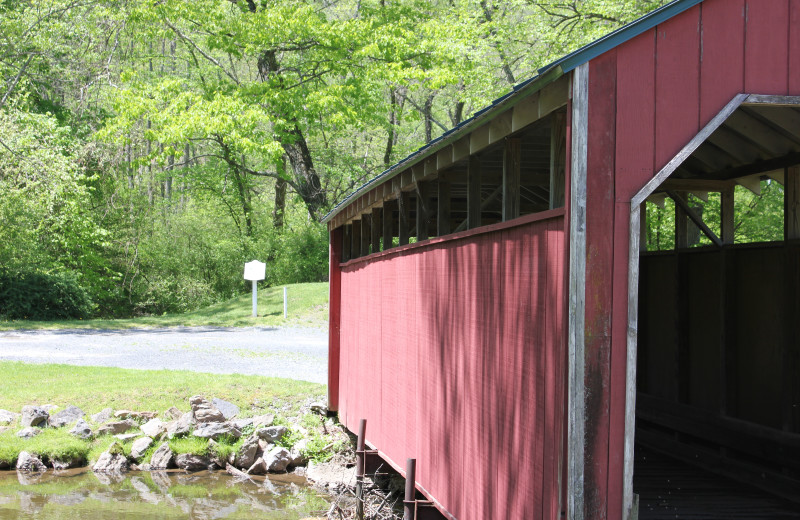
(95, 388)
(307, 307)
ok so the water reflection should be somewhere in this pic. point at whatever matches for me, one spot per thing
(79, 493)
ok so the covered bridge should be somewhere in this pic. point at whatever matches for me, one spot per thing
(494, 314)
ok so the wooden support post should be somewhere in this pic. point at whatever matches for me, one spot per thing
(366, 234)
(443, 208)
(684, 362)
(558, 159)
(473, 193)
(389, 208)
(681, 222)
(424, 210)
(355, 244)
(511, 172)
(377, 229)
(791, 354)
(728, 302)
(403, 203)
(791, 210)
(696, 219)
(347, 240)
(643, 227)
(728, 215)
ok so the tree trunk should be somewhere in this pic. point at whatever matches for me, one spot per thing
(280, 197)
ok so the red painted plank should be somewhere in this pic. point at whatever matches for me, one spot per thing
(767, 48)
(599, 257)
(635, 126)
(722, 59)
(334, 317)
(677, 84)
(794, 48)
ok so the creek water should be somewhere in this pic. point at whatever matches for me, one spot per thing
(82, 494)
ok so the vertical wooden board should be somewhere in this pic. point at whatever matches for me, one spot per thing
(704, 326)
(766, 54)
(599, 261)
(635, 126)
(393, 343)
(677, 84)
(722, 58)
(545, 384)
(508, 393)
(334, 316)
(794, 48)
(619, 360)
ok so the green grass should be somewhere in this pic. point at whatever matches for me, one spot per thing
(95, 388)
(307, 306)
(51, 444)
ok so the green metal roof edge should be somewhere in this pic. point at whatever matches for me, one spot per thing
(547, 74)
(481, 117)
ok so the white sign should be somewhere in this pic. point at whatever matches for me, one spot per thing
(255, 270)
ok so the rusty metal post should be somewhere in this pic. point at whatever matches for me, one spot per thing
(362, 429)
(409, 504)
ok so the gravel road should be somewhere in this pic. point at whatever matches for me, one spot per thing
(296, 353)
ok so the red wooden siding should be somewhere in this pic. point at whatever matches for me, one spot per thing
(334, 318)
(455, 354)
(648, 98)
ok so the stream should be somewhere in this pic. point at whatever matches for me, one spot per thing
(82, 494)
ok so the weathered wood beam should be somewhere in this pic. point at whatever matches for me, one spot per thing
(377, 228)
(366, 233)
(403, 206)
(512, 155)
(752, 183)
(474, 193)
(389, 208)
(695, 185)
(347, 240)
(727, 216)
(558, 159)
(443, 208)
(791, 210)
(424, 210)
(355, 244)
(683, 210)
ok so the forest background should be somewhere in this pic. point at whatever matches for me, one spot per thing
(149, 148)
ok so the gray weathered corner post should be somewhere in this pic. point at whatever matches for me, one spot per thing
(255, 271)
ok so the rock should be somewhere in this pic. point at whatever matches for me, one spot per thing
(140, 446)
(60, 465)
(190, 462)
(128, 414)
(242, 423)
(277, 460)
(34, 416)
(125, 437)
(50, 407)
(29, 432)
(213, 454)
(30, 463)
(205, 412)
(111, 463)
(263, 420)
(7, 417)
(296, 453)
(115, 428)
(331, 475)
(153, 428)
(68, 415)
(182, 426)
(162, 457)
(102, 416)
(264, 446)
(173, 413)
(235, 473)
(246, 455)
(216, 430)
(82, 430)
(229, 410)
(259, 467)
(272, 433)
(319, 408)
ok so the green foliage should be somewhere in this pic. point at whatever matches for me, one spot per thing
(38, 296)
(51, 444)
(189, 444)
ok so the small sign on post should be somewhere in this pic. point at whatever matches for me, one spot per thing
(255, 271)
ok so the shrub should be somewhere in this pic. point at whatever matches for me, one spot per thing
(40, 296)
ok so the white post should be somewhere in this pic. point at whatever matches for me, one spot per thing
(285, 307)
(255, 299)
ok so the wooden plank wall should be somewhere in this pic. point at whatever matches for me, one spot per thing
(454, 352)
(664, 85)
